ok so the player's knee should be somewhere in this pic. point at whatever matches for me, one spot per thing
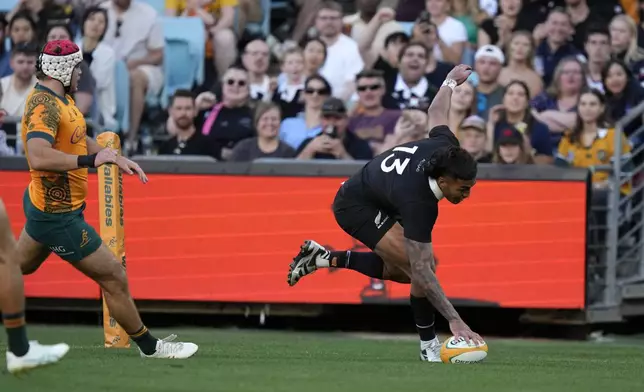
(138, 79)
(115, 282)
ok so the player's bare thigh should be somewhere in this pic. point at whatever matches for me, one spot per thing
(30, 253)
(103, 267)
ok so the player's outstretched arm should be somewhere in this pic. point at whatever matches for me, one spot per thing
(438, 112)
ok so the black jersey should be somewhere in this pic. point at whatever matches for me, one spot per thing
(395, 183)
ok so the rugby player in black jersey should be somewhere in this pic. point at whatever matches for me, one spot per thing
(391, 206)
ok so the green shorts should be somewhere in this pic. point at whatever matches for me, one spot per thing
(66, 234)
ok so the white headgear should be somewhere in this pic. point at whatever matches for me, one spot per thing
(58, 60)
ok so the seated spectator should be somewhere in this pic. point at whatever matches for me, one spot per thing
(185, 140)
(230, 120)
(556, 107)
(314, 56)
(135, 33)
(555, 46)
(45, 13)
(498, 30)
(510, 148)
(425, 32)
(598, 49)
(473, 138)
(343, 61)
(17, 86)
(289, 93)
(22, 30)
(411, 127)
(7, 148)
(623, 93)
(372, 122)
(583, 17)
(591, 141)
(335, 141)
(462, 105)
(488, 62)
(623, 41)
(294, 131)
(515, 112)
(101, 60)
(387, 60)
(452, 34)
(267, 144)
(255, 59)
(219, 20)
(84, 94)
(410, 87)
(373, 30)
(520, 55)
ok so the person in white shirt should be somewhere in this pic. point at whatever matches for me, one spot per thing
(452, 34)
(343, 60)
(16, 87)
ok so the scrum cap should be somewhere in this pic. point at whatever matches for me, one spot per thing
(58, 60)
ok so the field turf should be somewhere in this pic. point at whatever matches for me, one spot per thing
(239, 361)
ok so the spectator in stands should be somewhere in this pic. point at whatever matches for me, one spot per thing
(534, 14)
(515, 112)
(623, 93)
(314, 56)
(135, 33)
(6, 147)
(408, 10)
(267, 143)
(231, 120)
(510, 148)
(372, 122)
(387, 60)
(556, 107)
(84, 94)
(334, 142)
(219, 19)
(410, 87)
(425, 32)
(473, 137)
(520, 66)
(16, 87)
(411, 126)
(623, 40)
(462, 105)
(306, 15)
(591, 141)
(488, 62)
(498, 30)
(101, 60)
(289, 95)
(556, 45)
(255, 59)
(45, 13)
(22, 30)
(452, 34)
(372, 30)
(186, 140)
(343, 59)
(294, 131)
(583, 17)
(597, 49)
(468, 13)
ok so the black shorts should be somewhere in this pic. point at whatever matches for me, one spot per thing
(361, 219)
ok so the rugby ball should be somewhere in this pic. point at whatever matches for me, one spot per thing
(459, 351)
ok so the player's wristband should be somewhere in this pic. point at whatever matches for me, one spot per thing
(87, 160)
(451, 83)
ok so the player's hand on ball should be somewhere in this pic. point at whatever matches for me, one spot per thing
(131, 167)
(106, 155)
(461, 330)
(460, 73)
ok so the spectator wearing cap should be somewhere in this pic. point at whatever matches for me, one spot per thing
(452, 34)
(462, 105)
(343, 61)
(372, 121)
(520, 63)
(426, 33)
(267, 143)
(410, 87)
(488, 62)
(372, 29)
(185, 139)
(555, 46)
(498, 30)
(335, 141)
(473, 138)
(515, 112)
(510, 148)
(597, 48)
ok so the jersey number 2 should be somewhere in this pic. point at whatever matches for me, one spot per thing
(388, 165)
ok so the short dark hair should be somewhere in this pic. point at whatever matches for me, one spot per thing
(181, 93)
(411, 45)
(25, 49)
(397, 36)
(597, 29)
(453, 162)
(370, 73)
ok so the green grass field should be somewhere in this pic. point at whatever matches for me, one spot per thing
(239, 361)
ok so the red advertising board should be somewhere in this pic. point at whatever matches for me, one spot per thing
(231, 239)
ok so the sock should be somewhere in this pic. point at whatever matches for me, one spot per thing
(144, 339)
(424, 317)
(367, 263)
(16, 328)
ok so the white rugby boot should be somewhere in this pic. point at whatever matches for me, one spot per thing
(430, 351)
(38, 355)
(311, 257)
(167, 348)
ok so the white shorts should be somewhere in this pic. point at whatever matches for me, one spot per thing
(156, 79)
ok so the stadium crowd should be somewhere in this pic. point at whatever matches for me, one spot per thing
(348, 79)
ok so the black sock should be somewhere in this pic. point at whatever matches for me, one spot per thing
(424, 317)
(144, 339)
(16, 333)
(367, 263)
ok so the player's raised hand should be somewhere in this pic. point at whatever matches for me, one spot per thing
(461, 330)
(106, 155)
(460, 73)
(130, 167)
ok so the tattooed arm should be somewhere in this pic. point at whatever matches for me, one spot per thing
(421, 257)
